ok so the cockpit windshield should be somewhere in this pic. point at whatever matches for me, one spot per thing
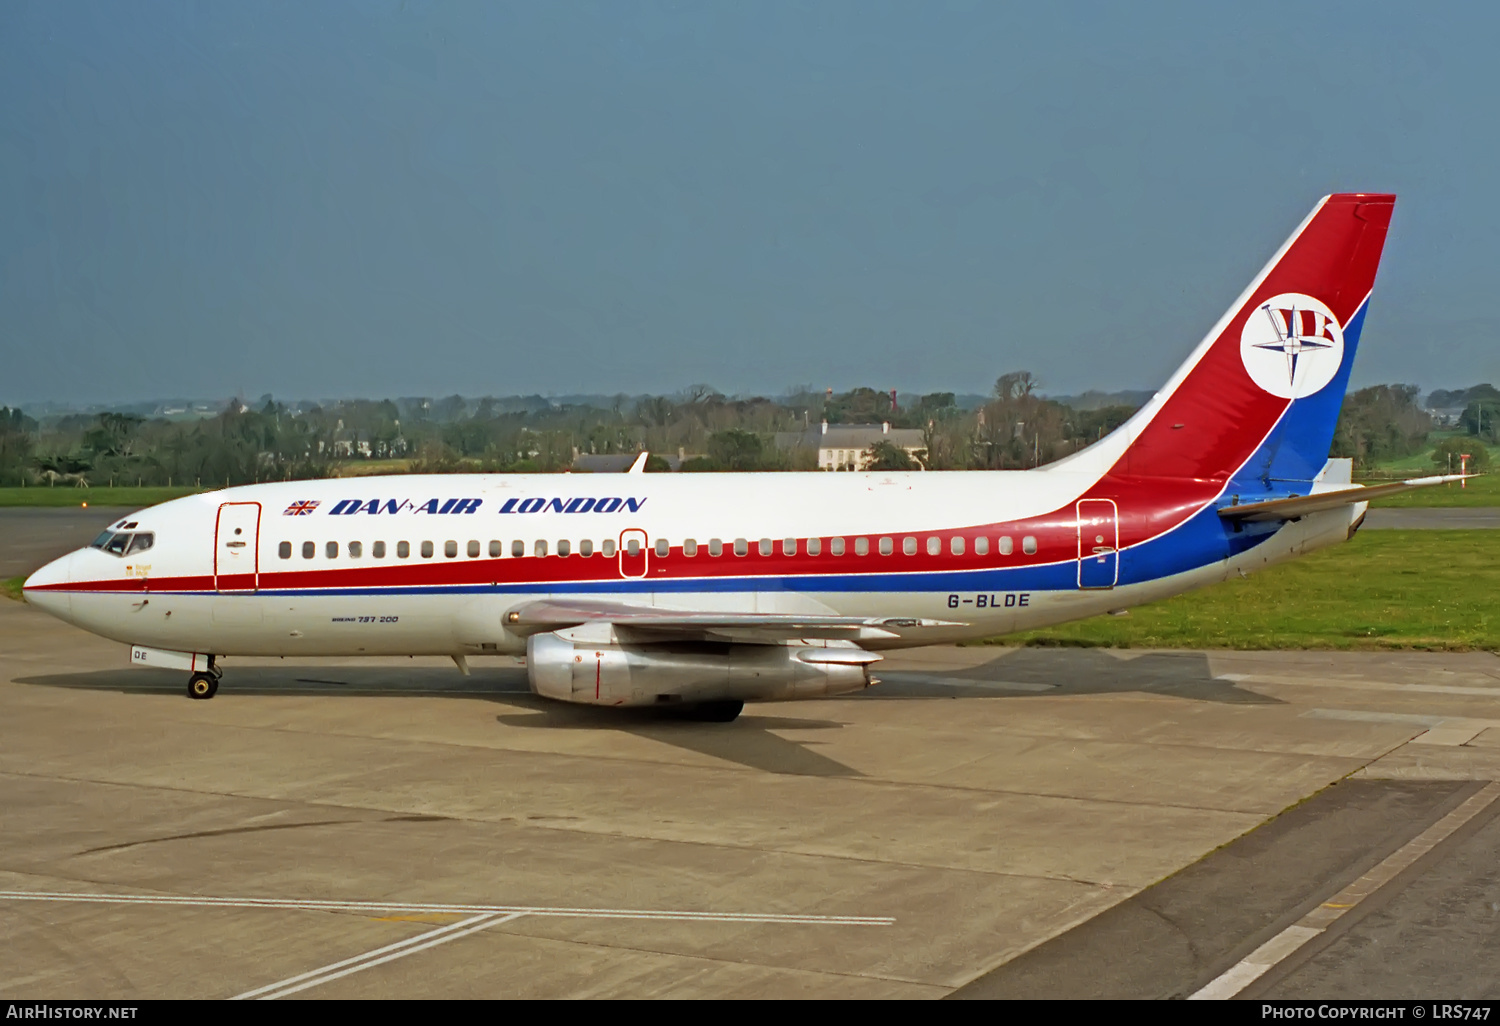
(121, 543)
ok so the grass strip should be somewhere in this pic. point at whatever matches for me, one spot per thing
(1419, 590)
(1482, 491)
(12, 587)
(135, 498)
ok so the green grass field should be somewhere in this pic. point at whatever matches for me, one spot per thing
(70, 496)
(1426, 590)
(12, 587)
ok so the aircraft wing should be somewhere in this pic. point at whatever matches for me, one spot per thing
(1301, 505)
(646, 623)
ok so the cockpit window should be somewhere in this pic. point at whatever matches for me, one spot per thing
(120, 543)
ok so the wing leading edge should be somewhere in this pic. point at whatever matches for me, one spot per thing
(672, 624)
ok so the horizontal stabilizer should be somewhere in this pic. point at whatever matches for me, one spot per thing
(1301, 505)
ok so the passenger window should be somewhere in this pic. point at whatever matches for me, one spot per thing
(862, 546)
(403, 550)
(741, 547)
(689, 547)
(116, 546)
(765, 546)
(356, 549)
(887, 546)
(909, 546)
(1028, 545)
(663, 547)
(473, 549)
(633, 547)
(836, 546)
(496, 550)
(934, 545)
(564, 546)
(309, 550)
(981, 546)
(815, 546)
(586, 547)
(427, 550)
(450, 549)
(518, 548)
(956, 546)
(540, 548)
(284, 550)
(331, 550)
(789, 546)
(1005, 546)
(140, 543)
(715, 547)
(378, 550)
(607, 548)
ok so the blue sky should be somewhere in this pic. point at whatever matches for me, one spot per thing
(378, 198)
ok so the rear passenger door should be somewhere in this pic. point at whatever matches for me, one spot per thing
(1098, 543)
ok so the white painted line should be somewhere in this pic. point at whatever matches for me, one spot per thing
(370, 959)
(430, 907)
(419, 938)
(1255, 965)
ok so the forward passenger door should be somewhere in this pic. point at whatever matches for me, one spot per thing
(237, 547)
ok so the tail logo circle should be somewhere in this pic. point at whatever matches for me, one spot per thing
(1292, 345)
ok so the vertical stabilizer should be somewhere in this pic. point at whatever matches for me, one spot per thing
(1259, 399)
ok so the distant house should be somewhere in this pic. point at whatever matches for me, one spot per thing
(847, 446)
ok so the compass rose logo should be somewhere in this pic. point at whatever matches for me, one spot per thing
(1292, 345)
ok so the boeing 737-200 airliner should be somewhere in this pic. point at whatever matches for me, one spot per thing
(710, 590)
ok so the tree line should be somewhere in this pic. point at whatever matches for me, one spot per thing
(1014, 427)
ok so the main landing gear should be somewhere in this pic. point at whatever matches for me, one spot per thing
(205, 685)
(714, 712)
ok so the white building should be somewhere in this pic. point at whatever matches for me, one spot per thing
(847, 446)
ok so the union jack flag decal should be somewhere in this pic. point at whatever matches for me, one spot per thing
(300, 509)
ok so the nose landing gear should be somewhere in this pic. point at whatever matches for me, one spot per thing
(205, 685)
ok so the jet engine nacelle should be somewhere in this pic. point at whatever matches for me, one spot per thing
(651, 674)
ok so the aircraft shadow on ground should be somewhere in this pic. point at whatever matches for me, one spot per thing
(1052, 672)
(748, 741)
(753, 740)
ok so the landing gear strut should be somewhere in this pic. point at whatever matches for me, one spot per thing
(205, 685)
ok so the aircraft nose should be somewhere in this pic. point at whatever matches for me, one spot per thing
(38, 588)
